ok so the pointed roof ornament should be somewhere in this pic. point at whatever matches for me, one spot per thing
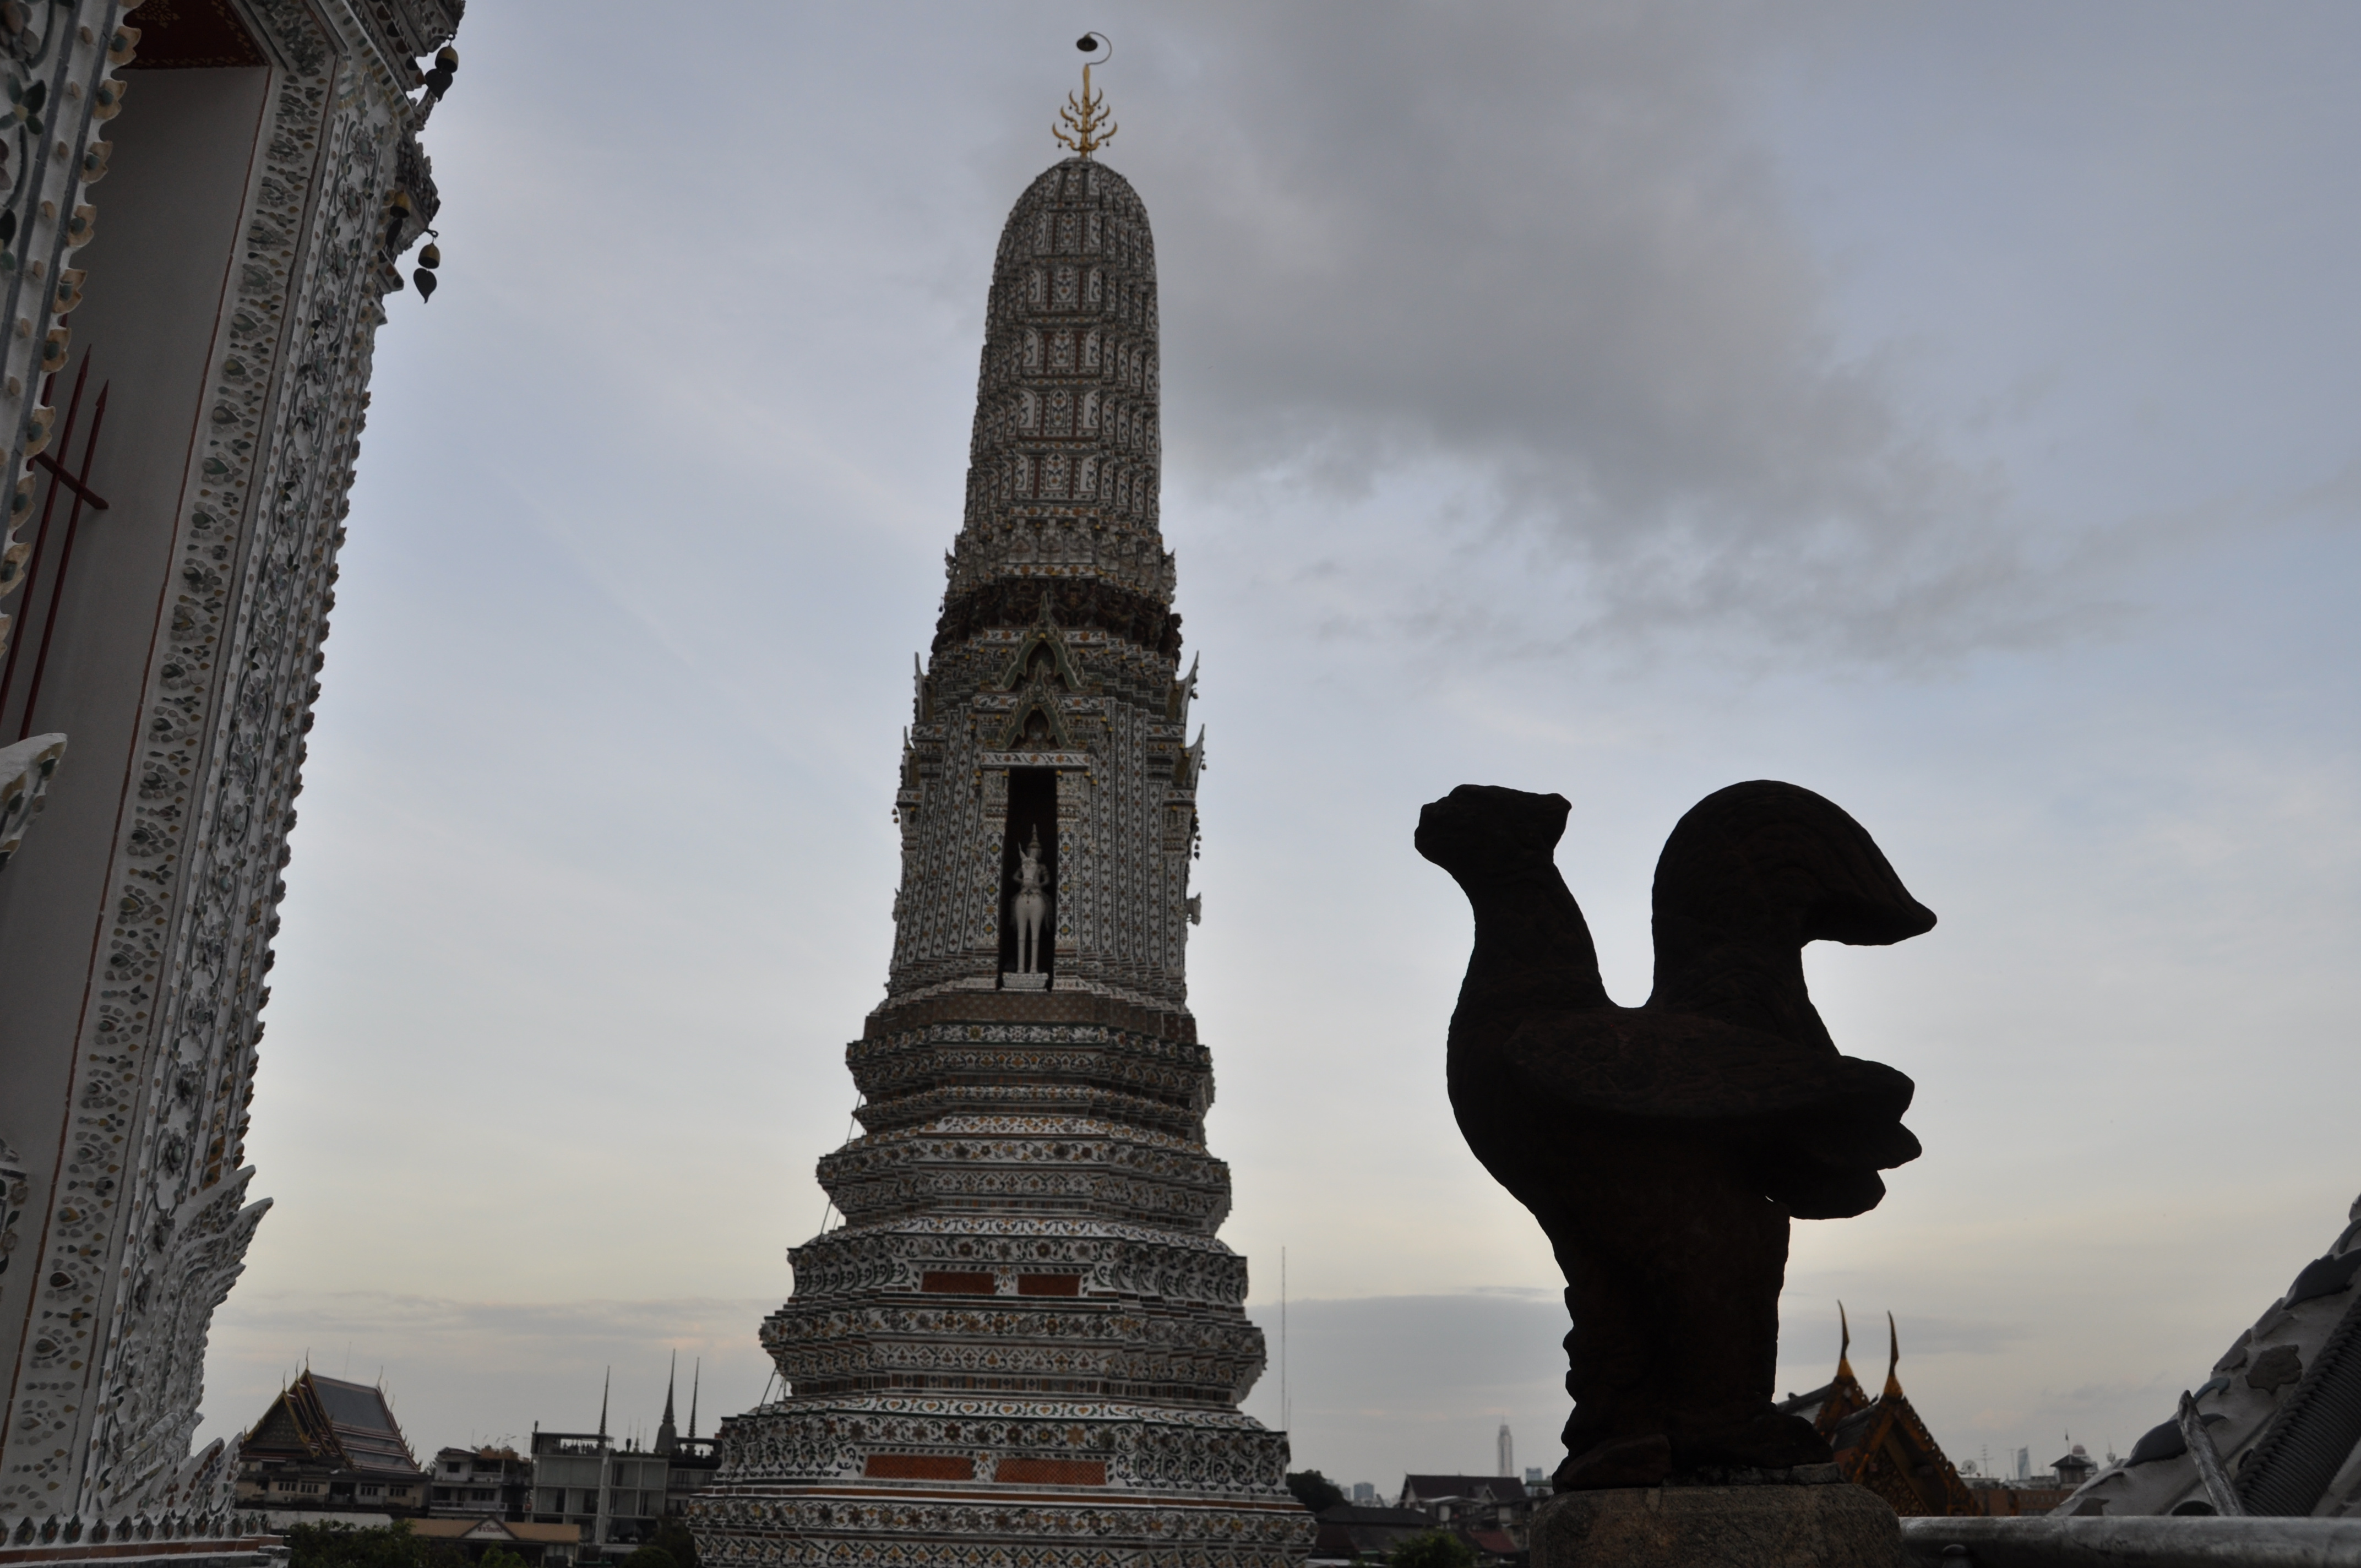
(610, 1383)
(1184, 691)
(1085, 126)
(1844, 1348)
(695, 1374)
(668, 1436)
(1893, 1359)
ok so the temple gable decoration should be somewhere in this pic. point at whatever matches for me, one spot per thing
(1884, 1444)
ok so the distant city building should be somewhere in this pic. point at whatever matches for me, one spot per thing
(2028, 1493)
(1490, 1511)
(689, 1468)
(614, 1496)
(1536, 1478)
(326, 1447)
(493, 1482)
(2074, 1468)
(1508, 1451)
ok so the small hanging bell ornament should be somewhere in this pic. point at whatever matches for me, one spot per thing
(431, 258)
(446, 65)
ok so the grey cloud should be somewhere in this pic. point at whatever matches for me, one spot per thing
(1542, 246)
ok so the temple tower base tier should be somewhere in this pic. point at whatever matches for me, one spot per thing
(936, 1480)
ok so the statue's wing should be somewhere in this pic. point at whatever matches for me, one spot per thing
(1653, 1066)
(1816, 1126)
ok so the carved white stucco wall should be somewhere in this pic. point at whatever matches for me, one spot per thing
(137, 1212)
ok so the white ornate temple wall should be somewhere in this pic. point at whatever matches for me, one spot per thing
(240, 219)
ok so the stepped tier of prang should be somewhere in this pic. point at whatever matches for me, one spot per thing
(1024, 1342)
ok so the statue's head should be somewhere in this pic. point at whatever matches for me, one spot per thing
(1479, 832)
(1777, 862)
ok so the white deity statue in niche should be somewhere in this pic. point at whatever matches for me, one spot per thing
(1030, 907)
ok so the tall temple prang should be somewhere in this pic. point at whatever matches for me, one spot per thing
(1025, 1343)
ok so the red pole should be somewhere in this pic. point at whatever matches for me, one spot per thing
(33, 563)
(65, 557)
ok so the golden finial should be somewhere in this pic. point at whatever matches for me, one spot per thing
(1086, 127)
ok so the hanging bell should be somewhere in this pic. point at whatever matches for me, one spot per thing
(431, 258)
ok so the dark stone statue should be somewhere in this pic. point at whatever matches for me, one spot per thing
(1664, 1148)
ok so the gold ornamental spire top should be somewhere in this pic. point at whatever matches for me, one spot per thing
(1084, 125)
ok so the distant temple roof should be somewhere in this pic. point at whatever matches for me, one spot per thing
(328, 1421)
(473, 1529)
(1347, 1530)
(1882, 1444)
(1500, 1488)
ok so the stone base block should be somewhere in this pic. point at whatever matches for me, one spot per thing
(1838, 1525)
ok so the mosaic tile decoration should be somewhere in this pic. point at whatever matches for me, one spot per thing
(1024, 1345)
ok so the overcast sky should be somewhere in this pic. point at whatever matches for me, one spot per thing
(1951, 410)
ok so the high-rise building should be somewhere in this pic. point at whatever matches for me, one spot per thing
(183, 378)
(1025, 1343)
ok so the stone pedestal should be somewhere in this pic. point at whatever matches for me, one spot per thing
(1831, 1526)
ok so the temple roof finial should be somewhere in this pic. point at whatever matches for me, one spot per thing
(1084, 125)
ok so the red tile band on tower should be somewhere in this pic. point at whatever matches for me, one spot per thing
(1024, 1345)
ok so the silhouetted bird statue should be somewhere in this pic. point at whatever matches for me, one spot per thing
(1664, 1148)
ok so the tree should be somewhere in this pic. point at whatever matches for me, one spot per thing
(500, 1557)
(1431, 1549)
(1314, 1490)
(650, 1557)
(378, 1546)
(672, 1536)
